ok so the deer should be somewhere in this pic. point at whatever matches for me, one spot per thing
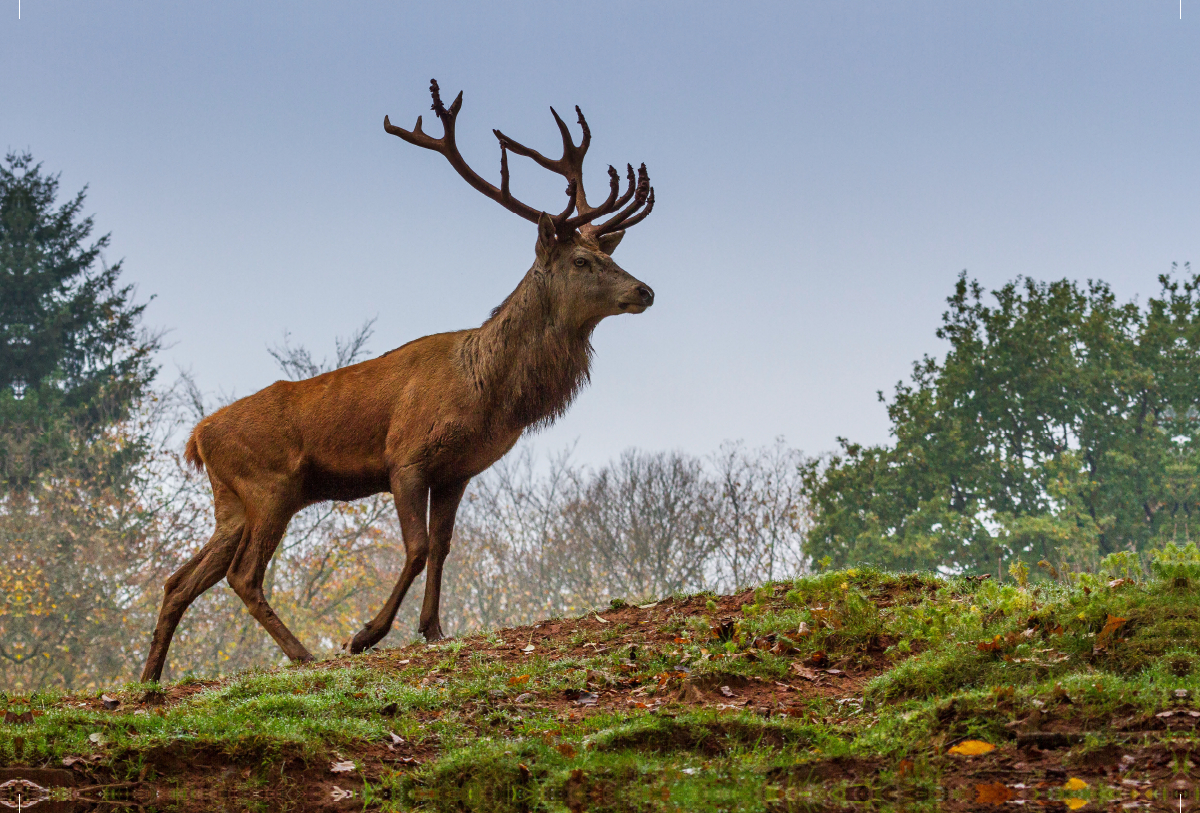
(419, 421)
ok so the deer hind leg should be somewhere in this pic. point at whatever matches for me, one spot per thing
(198, 574)
(412, 497)
(443, 506)
(246, 573)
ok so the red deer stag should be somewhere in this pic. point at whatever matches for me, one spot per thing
(419, 421)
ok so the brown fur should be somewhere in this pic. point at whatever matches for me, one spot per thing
(419, 421)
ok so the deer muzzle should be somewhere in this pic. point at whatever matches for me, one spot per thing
(637, 300)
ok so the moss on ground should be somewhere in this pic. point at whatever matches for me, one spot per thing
(855, 681)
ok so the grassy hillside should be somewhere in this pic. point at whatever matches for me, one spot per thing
(850, 685)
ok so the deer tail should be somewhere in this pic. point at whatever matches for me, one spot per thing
(192, 453)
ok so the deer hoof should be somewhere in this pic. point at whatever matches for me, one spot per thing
(362, 641)
(434, 633)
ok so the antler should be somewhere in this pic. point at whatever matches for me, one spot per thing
(447, 147)
(570, 166)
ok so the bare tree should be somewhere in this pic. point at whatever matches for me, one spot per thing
(642, 524)
(761, 516)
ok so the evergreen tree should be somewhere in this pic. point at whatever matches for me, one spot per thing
(76, 536)
(73, 359)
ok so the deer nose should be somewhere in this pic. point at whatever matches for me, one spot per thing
(646, 294)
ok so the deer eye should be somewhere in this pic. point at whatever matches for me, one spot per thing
(580, 262)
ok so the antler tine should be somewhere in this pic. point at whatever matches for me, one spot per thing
(614, 187)
(449, 149)
(640, 216)
(505, 194)
(561, 219)
(570, 166)
(618, 221)
(587, 131)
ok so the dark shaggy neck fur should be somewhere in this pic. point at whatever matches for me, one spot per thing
(531, 365)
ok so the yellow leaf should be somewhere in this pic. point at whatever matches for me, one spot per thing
(1075, 783)
(1074, 804)
(972, 748)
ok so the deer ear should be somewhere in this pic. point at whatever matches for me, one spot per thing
(609, 242)
(547, 235)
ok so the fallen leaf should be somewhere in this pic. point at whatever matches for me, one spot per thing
(96, 738)
(587, 699)
(972, 748)
(728, 692)
(989, 646)
(904, 767)
(995, 793)
(1113, 624)
(109, 701)
(834, 672)
(1074, 804)
(602, 620)
(526, 697)
(818, 659)
(517, 680)
(803, 671)
(396, 738)
(566, 749)
(344, 766)
(529, 648)
(647, 606)
(1075, 783)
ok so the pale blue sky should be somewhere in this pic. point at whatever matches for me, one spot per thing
(823, 172)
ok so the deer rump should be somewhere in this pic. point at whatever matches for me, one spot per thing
(419, 421)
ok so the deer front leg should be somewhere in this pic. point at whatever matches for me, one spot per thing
(411, 494)
(443, 506)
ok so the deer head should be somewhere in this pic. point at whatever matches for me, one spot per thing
(574, 248)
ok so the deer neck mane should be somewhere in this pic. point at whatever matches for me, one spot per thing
(524, 361)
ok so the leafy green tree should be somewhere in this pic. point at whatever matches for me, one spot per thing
(73, 359)
(1061, 424)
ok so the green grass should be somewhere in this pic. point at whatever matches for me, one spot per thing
(947, 660)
